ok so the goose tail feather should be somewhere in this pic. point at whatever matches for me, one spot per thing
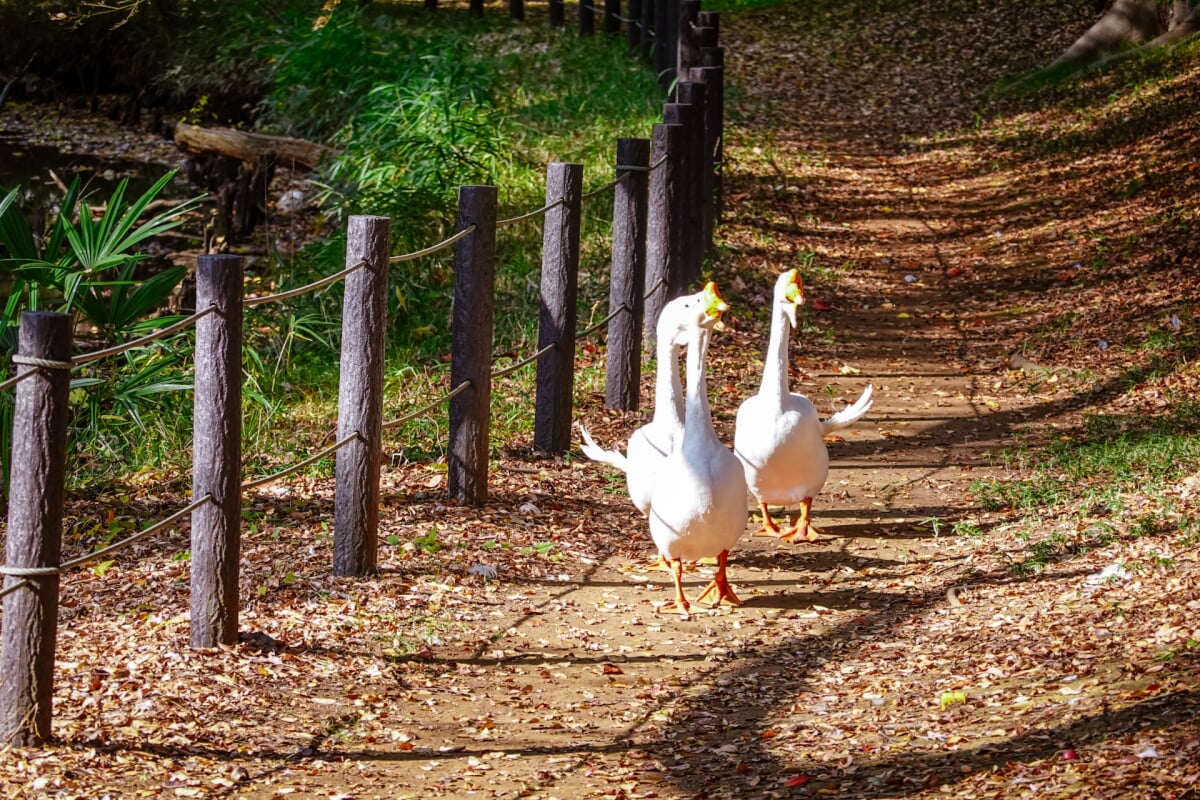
(850, 414)
(597, 453)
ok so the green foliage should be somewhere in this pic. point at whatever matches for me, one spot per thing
(68, 268)
(1114, 455)
(429, 541)
(85, 264)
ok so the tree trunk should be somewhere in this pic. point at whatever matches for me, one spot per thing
(1125, 21)
(1185, 22)
(249, 146)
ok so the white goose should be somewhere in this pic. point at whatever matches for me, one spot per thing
(698, 503)
(650, 444)
(778, 436)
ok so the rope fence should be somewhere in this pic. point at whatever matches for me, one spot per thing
(27, 572)
(464, 233)
(537, 212)
(314, 458)
(658, 230)
(321, 283)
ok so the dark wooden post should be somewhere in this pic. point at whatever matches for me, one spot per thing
(687, 116)
(646, 41)
(622, 384)
(664, 56)
(688, 44)
(473, 319)
(360, 397)
(612, 17)
(558, 14)
(516, 9)
(662, 224)
(714, 126)
(431, 5)
(695, 93)
(669, 24)
(587, 18)
(34, 541)
(556, 319)
(475, 8)
(633, 31)
(216, 454)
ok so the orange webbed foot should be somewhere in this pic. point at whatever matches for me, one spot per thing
(680, 603)
(769, 528)
(719, 587)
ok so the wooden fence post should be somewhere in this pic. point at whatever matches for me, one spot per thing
(516, 9)
(622, 384)
(475, 8)
(695, 93)
(360, 397)
(634, 32)
(558, 14)
(612, 17)
(687, 116)
(714, 127)
(216, 453)
(34, 541)
(688, 44)
(662, 224)
(557, 316)
(587, 18)
(664, 54)
(473, 319)
(646, 40)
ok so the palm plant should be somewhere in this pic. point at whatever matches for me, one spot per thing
(85, 264)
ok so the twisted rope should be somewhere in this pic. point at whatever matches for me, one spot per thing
(87, 358)
(315, 457)
(457, 390)
(44, 363)
(28, 572)
(35, 572)
(435, 247)
(31, 361)
(21, 584)
(524, 361)
(604, 321)
(534, 213)
(155, 528)
(299, 290)
(603, 188)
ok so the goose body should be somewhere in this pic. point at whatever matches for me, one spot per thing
(698, 503)
(650, 445)
(779, 436)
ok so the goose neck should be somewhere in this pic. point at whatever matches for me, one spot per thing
(775, 368)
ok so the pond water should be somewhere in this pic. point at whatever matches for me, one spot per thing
(33, 167)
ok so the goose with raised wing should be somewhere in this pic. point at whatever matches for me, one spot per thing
(779, 436)
(650, 445)
(698, 502)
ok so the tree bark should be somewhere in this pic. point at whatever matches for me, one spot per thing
(1125, 21)
(1184, 22)
(249, 146)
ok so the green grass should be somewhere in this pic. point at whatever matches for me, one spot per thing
(416, 104)
(1112, 455)
(1084, 485)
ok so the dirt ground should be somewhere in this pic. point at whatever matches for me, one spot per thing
(899, 656)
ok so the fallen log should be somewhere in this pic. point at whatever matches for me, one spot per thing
(249, 147)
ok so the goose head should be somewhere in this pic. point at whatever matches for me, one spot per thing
(789, 293)
(702, 309)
